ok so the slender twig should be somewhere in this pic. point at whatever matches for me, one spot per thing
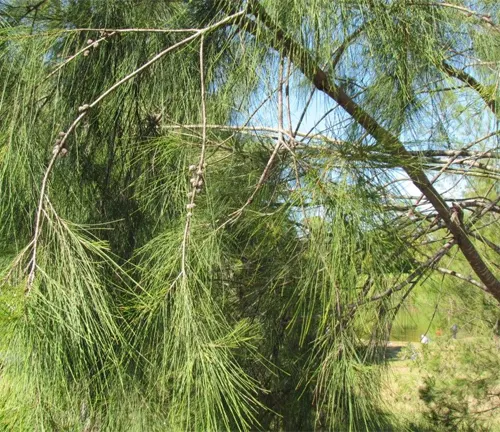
(487, 242)
(342, 48)
(298, 183)
(163, 53)
(455, 156)
(481, 166)
(14, 264)
(254, 129)
(133, 30)
(109, 30)
(34, 7)
(38, 220)
(465, 152)
(238, 129)
(85, 108)
(78, 53)
(415, 274)
(198, 178)
(280, 100)
(462, 277)
(486, 19)
(233, 217)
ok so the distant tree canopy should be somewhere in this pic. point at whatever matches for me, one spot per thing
(211, 211)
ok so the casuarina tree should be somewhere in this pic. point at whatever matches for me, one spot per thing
(211, 211)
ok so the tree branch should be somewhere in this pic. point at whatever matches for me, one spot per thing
(474, 84)
(462, 277)
(84, 110)
(197, 180)
(305, 62)
(485, 19)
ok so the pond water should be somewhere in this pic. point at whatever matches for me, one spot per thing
(414, 333)
(412, 323)
(408, 334)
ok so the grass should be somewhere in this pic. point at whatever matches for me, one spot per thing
(406, 378)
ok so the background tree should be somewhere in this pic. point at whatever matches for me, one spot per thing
(208, 208)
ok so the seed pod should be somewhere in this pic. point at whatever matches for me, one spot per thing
(86, 53)
(90, 41)
(200, 183)
(193, 181)
(192, 167)
(95, 44)
(191, 206)
(63, 152)
(190, 194)
(62, 134)
(83, 108)
(198, 190)
(199, 172)
(189, 214)
(58, 141)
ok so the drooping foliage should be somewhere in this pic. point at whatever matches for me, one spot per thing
(211, 211)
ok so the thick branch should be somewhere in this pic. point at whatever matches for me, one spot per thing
(306, 63)
(474, 84)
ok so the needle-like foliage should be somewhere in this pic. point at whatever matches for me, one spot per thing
(212, 211)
